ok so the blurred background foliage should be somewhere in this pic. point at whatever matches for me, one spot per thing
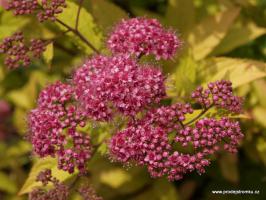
(221, 39)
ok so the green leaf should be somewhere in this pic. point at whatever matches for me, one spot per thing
(239, 34)
(6, 184)
(259, 87)
(48, 54)
(175, 13)
(209, 33)
(115, 177)
(10, 24)
(40, 165)
(239, 71)
(104, 177)
(107, 20)
(22, 147)
(86, 27)
(182, 80)
(25, 97)
(259, 114)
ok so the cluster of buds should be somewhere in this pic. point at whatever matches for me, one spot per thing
(105, 88)
(44, 9)
(220, 94)
(18, 52)
(22, 7)
(88, 193)
(59, 191)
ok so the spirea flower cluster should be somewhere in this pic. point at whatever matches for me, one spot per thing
(88, 193)
(220, 94)
(44, 9)
(147, 141)
(108, 84)
(53, 127)
(170, 140)
(142, 36)
(59, 191)
(20, 52)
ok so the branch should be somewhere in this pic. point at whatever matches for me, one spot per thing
(76, 32)
(199, 116)
(78, 14)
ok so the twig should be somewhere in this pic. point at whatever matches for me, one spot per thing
(76, 32)
(78, 14)
(181, 124)
(199, 116)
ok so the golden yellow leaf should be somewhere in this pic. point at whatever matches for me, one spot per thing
(209, 33)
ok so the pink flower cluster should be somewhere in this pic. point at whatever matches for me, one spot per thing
(59, 191)
(150, 146)
(53, 127)
(18, 52)
(45, 9)
(147, 141)
(220, 94)
(143, 36)
(105, 84)
(207, 134)
(88, 193)
(22, 7)
(168, 117)
(51, 8)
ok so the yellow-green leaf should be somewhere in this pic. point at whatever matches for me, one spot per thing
(175, 13)
(48, 54)
(239, 71)
(259, 90)
(25, 97)
(182, 80)
(259, 114)
(10, 24)
(40, 165)
(239, 34)
(7, 184)
(115, 177)
(209, 33)
(108, 19)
